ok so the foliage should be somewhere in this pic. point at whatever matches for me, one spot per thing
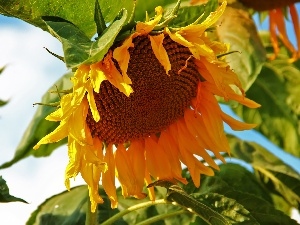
(4, 193)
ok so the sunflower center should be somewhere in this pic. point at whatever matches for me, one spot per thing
(157, 101)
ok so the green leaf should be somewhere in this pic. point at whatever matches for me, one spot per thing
(80, 13)
(2, 69)
(176, 194)
(102, 45)
(273, 172)
(77, 46)
(213, 208)
(227, 207)
(69, 208)
(141, 215)
(99, 20)
(4, 193)
(189, 14)
(238, 29)
(231, 182)
(277, 90)
(39, 127)
(2, 103)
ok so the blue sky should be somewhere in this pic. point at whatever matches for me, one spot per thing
(30, 71)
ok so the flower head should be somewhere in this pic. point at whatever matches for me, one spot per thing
(147, 107)
(276, 10)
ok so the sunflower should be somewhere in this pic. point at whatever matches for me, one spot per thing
(148, 107)
(276, 10)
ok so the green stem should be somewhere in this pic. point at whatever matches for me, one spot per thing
(91, 217)
(161, 217)
(133, 208)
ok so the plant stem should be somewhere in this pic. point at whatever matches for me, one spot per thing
(161, 217)
(91, 217)
(133, 208)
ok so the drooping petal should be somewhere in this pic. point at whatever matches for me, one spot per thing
(146, 27)
(87, 172)
(122, 56)
(193, 36)
(160, 52)
(136, 155)
(190, 143)
(279, 20)
(97, 77)
(236, 124)
(58, 134)
(126, 174)
(75, 157)
(108, 68)
(92, 104)
(108, 177)
(171, 149)
(214, 16)
(77, 127)
(157, 164)
(64, 111)
(296, 24)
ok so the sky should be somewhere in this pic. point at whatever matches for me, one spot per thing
(30, 71)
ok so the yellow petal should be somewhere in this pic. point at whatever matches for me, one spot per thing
(160, 52)
(157, 161)
(214, 16)
(77, 126)
(97, 77)
(177, 37)
(64, 111)
(136, 154)
(112, 74)
(122, 56)
(126, 174)
(92, 104)
(108, 178)
(236, 124)
(146, 27)
(171, 150)
(75, 157)
(58, 134)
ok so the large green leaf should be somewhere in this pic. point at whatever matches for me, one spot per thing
(231, 182)
(77, 46)
(238, 29)
(4, 193)
(80, 13)
(277, 90)
(213, 208)
(277, 175)
(69, 208)
(39, 127)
